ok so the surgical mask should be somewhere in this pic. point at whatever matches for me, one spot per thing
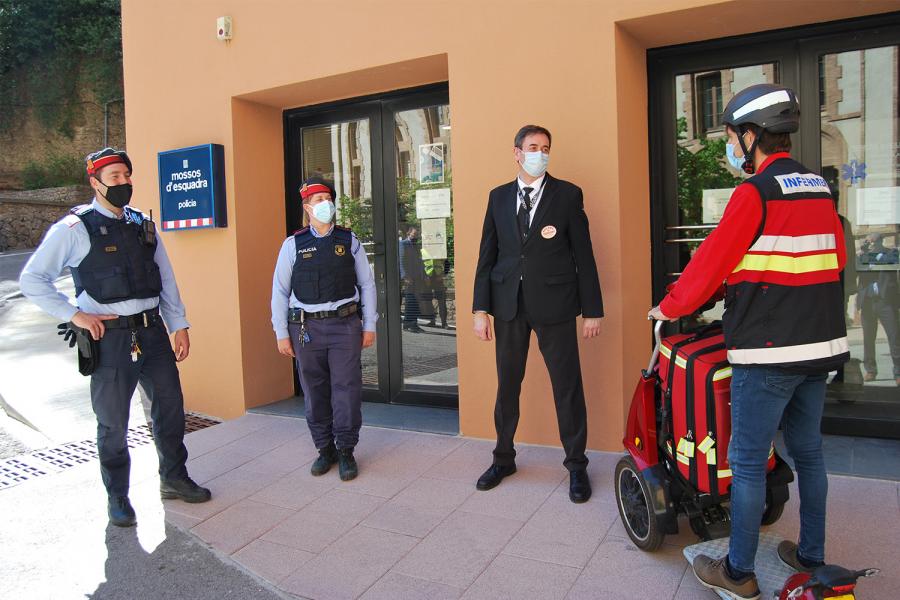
(734, 161)
(118, 195)
(535, 163)
(323, 211)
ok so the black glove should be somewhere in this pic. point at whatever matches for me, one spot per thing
(67, 333)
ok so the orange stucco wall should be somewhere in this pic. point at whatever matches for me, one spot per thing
(184, 87)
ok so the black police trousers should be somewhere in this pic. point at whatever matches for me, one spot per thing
(112, 386)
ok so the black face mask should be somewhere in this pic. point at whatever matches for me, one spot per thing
(118, 195)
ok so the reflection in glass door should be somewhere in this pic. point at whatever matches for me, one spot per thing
(425, 248)
(860, 138)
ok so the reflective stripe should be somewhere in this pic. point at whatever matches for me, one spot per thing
(722, 374)
(794, 245)
(683, 459)
(679, 361)
(770, 99)
(722, 473)
(788, 264)
(788, 354)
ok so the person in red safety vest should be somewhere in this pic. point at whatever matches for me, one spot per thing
(779, 248)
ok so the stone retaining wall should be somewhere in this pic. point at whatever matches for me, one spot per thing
(26, 216)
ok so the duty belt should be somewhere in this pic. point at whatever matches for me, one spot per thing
(295, 315)
(148, 318)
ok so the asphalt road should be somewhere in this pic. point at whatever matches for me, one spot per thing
(11, 264)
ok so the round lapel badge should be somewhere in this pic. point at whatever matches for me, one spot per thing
(548, 232)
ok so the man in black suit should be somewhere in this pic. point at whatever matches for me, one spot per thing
(536, 271)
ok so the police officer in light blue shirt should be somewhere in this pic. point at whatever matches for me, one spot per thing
(323, 284)
(125, 297)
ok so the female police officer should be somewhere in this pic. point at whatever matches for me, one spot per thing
(321, 285)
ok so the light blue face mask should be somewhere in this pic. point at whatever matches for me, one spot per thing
(535, 163)
(323, 211)
(734, 161)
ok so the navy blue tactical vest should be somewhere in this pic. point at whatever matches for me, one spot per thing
(324, 270)
(119, 266)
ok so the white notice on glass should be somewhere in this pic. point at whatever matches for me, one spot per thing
(878, 206)
(433, 203)
(434, 238)
(714, 203)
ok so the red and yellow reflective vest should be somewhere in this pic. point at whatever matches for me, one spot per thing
(784, 305)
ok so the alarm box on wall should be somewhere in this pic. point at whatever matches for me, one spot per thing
(192, 187)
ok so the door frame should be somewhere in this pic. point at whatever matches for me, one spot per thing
(379, 109)
(796, 51)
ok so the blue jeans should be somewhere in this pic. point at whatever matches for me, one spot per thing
(761, 398)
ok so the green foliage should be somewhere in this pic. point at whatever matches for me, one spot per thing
(698, 171)
(50, 49)
(356, 213)
(55, 171)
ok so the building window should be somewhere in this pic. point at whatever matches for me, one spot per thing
(821, 82)
(709, 91)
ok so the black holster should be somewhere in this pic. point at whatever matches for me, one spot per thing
(88, 350)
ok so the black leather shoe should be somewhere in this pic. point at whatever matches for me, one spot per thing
(327, 457)
(121, 514)
(493, 476)
(183, 489)
(579, 486)
(347, 467)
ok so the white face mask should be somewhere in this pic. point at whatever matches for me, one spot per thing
(535, 163)
(734, 161)
(323, 211)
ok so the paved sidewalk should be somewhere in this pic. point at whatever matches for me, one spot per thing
(413, 526)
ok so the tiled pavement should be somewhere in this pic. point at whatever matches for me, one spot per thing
(413, 526)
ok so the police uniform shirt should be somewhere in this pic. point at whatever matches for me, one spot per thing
(66, 244)
(537, 190)
(283, 297)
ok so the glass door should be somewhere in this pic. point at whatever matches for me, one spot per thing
(419, 160)
(857, 144)
(847, 78)
(389, 159)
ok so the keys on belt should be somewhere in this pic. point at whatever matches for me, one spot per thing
(141, 320)
(298, 315)
(295, 315)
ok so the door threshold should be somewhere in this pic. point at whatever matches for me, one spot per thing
(424, 419)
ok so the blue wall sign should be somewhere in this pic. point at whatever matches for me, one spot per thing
(192, 187)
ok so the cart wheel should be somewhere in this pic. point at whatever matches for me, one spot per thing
(633, 499)
(772, 512)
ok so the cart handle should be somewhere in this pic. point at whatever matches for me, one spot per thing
(657, 335)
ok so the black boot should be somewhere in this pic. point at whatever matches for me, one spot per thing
(183, 489)
(347, 466)
(327, 457)
(121, 514)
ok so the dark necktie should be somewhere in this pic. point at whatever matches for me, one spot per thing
(524, 210)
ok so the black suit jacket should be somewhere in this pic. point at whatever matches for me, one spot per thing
(557, 272)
